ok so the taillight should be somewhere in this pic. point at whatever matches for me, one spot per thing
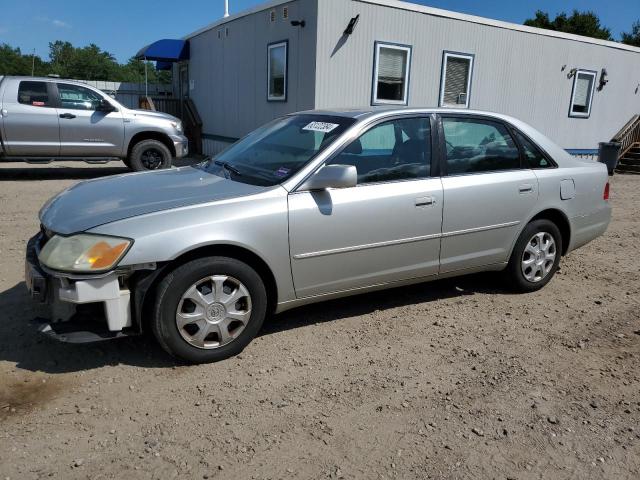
(605, 195)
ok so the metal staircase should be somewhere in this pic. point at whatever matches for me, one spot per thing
(629, 139)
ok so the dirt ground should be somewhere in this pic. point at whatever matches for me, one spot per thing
(452, 379)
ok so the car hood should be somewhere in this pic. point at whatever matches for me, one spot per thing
(152, 114)
(97, 202)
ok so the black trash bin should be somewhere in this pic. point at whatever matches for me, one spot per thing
(608, 154)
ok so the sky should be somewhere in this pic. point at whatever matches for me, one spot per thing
(123, 27)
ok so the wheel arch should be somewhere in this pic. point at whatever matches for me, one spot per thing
(151, 135)
(144, 296)
(560, 219)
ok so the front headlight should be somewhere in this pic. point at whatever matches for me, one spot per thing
(178, 126)
(84, 253)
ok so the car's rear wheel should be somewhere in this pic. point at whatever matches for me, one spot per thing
(209, 309)
(149, 155)
(536, 256)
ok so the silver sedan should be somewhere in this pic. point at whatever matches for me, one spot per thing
(311, 206)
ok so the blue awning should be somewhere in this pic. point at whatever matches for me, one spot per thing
(166, 50)
(160, 65)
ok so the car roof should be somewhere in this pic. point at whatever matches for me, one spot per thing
(382, 111)
(45, 79)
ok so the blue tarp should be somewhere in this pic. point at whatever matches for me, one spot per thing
(166, 50)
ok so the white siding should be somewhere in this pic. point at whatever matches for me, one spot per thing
(229, 74)
(515, 72)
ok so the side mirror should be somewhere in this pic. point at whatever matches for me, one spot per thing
(332, 176)
(105, 106)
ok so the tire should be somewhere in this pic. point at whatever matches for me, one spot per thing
(210, 329)
(149, 155)
(539, 268)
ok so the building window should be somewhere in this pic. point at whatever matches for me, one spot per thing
(277, 72)
(582, 95)
(272, 16)
(391, 74)
(455, 84)
(285, 12)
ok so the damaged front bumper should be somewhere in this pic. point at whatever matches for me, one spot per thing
(77, 309)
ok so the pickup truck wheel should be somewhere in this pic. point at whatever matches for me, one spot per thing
(536, 256)
(209, 309)
(149, 155)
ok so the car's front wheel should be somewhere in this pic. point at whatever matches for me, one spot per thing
(209, 309)
(536, 256)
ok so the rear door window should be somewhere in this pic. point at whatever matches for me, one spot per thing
(478, 145)
(35, 94)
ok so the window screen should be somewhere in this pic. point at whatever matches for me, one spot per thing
(392, 73)
(456, 80)
(390, 151)
(475, 146)
(34, 94)
(582, 94)
(277, 72)
(534, 158)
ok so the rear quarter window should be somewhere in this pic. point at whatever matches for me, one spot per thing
(533, 156)
(34, 94)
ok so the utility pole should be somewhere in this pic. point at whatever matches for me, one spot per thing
(226, 8)
(33, 62)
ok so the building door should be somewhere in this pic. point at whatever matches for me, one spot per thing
(85, 131)
(30, 120)
(385, 229)
(184, 81)
(487, 195)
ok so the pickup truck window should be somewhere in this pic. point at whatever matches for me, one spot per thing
(75, 97)
(34, 94)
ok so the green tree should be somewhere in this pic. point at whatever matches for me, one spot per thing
(82, 63)
(133, 71)
(579, 23)
(13, 62)
(87, 63)
(633, 37)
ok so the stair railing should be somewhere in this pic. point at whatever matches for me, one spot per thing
(628, 135)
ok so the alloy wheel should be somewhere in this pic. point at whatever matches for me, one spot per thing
(539, 257)
(151, 159)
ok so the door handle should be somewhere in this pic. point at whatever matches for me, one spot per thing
(67, 115)
(425, 201)
(525, 188)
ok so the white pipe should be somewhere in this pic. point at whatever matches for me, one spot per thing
(226, 8)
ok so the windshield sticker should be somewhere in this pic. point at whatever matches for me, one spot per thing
(282, 172)
(321, 127)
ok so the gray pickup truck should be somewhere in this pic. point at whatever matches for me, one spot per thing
(46, 119)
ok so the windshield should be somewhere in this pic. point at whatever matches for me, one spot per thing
(273, 153)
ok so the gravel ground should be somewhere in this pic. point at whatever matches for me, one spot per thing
(451, 379)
